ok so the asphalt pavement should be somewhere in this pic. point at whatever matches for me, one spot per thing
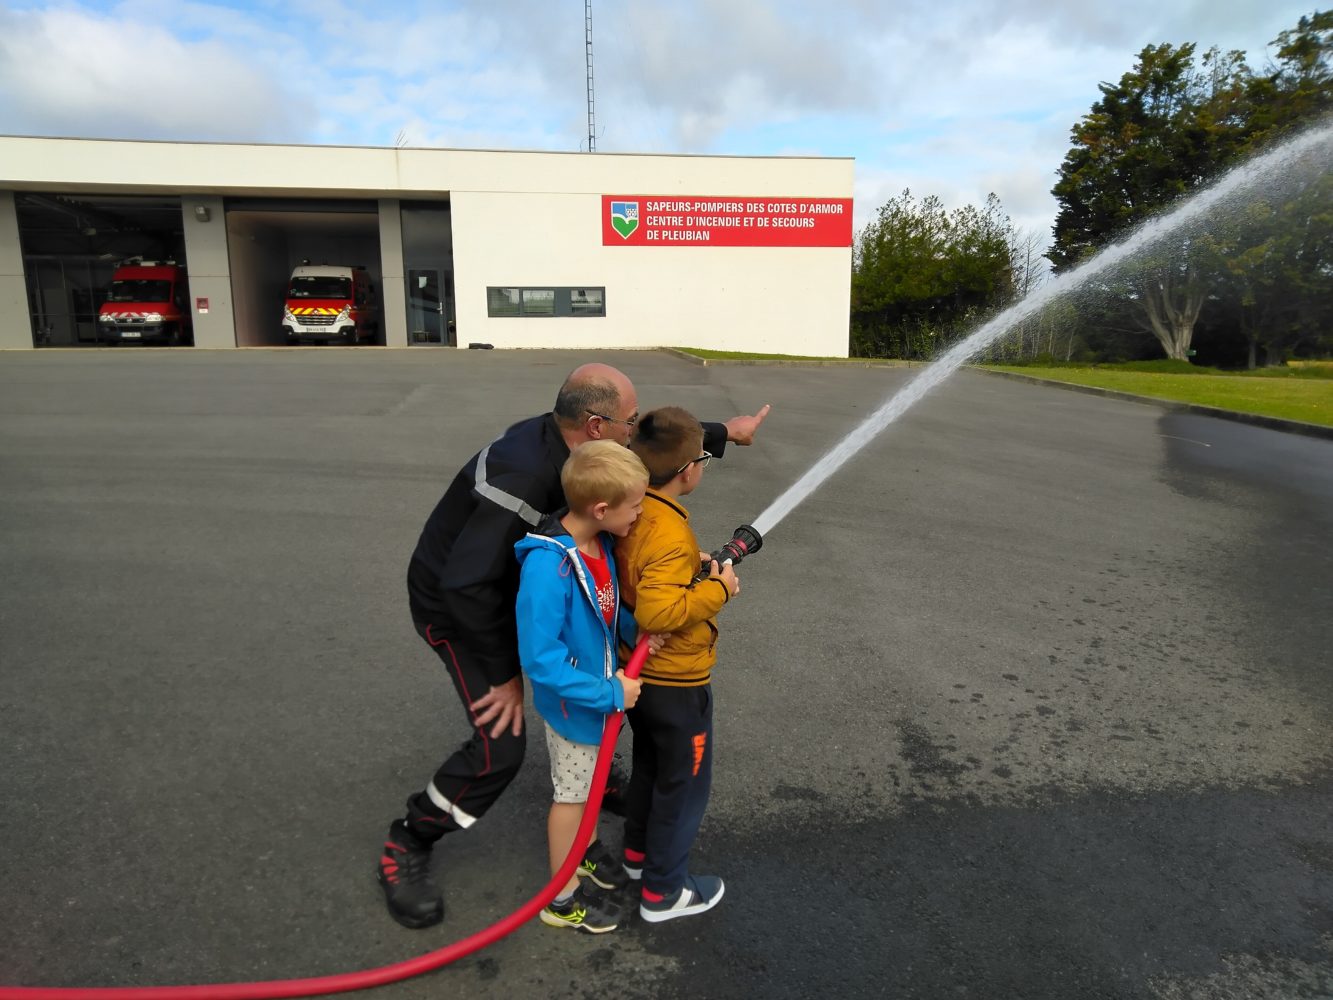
(1032, 699)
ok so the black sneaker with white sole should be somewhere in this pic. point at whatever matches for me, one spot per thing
(601, 867)
(699, 894)
(586, 910)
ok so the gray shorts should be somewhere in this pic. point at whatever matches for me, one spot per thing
(571, 766)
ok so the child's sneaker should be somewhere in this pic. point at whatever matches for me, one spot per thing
(583, 911)
(699, 893)
(601, 868)
(633, 865)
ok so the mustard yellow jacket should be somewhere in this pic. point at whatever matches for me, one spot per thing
(657, 564)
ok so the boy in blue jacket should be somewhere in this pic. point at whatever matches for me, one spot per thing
(569, 614)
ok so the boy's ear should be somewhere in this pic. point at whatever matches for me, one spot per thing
(599, 509)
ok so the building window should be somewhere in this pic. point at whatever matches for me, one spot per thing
(502, 302)
(539, 302)
(545, 302)
(587, 302)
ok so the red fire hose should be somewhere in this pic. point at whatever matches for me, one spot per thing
(367, 978)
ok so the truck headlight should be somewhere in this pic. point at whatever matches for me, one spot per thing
(152, 317)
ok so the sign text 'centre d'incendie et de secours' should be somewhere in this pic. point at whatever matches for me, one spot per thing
(679, 220)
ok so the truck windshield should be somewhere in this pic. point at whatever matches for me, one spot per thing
(320, 286)
(140, 290)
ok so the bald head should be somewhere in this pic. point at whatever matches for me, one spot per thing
(596, 388)
(597, 391)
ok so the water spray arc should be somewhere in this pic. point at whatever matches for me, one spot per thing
(1239, 179)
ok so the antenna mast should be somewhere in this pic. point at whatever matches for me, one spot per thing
(587, 39)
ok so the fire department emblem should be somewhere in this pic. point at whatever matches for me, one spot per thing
(625, 217)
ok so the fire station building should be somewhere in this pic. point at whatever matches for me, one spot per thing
(110, 243)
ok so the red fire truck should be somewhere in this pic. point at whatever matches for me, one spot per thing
(146, 304)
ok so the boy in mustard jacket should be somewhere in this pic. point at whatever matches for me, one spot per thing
(673, 720)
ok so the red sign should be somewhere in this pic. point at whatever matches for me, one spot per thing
(201, 305)
(640, 220)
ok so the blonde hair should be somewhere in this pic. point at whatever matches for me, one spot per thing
(666, 439)
(600, 472)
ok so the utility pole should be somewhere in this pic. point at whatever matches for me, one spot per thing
(587, 42)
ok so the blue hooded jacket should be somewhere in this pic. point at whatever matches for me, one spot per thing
(564, 644)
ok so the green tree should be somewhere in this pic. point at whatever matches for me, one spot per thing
(1278, 274)
(1126, 158)
(1167, 127)
(920, 274)
(1297, 85)
(1281, 269)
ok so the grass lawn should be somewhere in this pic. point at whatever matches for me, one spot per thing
(1285, 393)
(1303, 391)
(709, 355)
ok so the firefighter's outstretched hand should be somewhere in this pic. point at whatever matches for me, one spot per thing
(741, 430)
(503, 705)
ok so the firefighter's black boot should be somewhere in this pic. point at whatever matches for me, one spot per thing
(404, 874)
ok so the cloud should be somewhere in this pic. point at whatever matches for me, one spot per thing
(951, 97)
(1120, 26)
(707, 66)
(70, 71)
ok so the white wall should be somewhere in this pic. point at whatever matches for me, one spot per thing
(529, 219)
(785, 300)
(321, 171)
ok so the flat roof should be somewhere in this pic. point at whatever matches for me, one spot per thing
(42, 163)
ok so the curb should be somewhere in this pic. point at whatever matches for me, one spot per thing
(694, 359)
(1255, 419)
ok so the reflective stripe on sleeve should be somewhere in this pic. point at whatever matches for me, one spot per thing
(498, 496)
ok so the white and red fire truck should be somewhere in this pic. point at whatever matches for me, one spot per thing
(330, 303)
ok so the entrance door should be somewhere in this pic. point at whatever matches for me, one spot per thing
(425, 306)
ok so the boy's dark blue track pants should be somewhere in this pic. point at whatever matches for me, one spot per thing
(671, 779)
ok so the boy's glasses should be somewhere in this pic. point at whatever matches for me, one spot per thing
(615, 420)
(703, 461)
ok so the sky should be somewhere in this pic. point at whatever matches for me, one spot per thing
(955, 98)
